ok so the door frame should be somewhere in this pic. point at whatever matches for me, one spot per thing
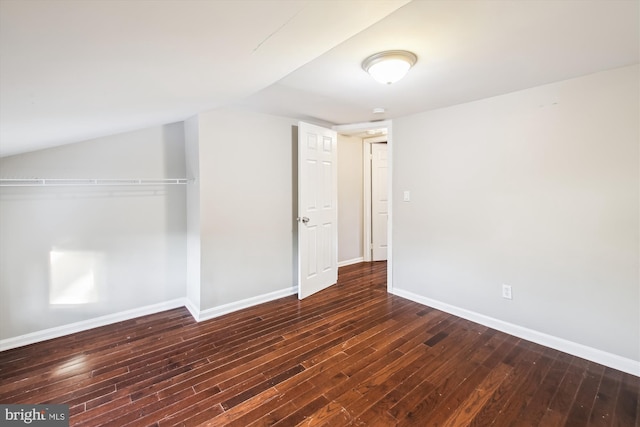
(363, 127)
(367, 221)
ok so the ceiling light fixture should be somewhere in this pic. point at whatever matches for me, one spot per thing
(389, 66)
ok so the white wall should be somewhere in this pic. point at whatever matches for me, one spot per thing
(114, 248)
(350, 188)
(246, 206)
(538, 189)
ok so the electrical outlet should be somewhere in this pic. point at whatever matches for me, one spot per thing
(506, 292)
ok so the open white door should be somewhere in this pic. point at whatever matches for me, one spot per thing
(317, 209)
(379, 202)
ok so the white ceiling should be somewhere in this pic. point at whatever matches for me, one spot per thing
(75, 70)
(467, 50)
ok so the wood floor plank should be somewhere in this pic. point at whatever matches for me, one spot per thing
(517, 403)
(258, 407)
(352, 354)
(401, 383)
(492, 413)
(531, 414)
(584, 400)
(447, 371)
(626, 410)
(441, 403)
(450, 372)
(601, 413)
(474, 402)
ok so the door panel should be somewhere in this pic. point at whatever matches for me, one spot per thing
(379, 202)
(317, 209)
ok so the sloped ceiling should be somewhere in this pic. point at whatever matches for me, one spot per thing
(75, 70)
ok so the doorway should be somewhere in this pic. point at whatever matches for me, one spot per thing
(371, 133)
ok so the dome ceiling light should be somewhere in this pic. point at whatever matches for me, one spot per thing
(389, 66)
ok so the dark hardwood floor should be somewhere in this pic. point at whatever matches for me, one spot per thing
(350, 355)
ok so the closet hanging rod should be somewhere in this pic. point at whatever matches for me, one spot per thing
(41, 182)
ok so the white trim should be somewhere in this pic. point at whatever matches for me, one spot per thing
(193, 310)
(350, 262)
(198, 315)
(611, 360)
(363, 126)
(375, 139)
(84, 325)
(220, 310)
(390, 207)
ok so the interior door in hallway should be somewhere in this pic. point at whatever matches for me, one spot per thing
(379, 201)
(317, 209)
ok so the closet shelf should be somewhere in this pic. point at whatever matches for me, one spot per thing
(47, 182)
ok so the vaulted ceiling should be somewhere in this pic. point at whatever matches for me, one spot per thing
(74, 70)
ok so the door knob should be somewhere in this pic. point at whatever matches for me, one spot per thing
(304, 219)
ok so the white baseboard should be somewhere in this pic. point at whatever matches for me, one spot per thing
(614, 361)
(350, 261)
(220, 310)
(59, 331)
(84, 325)
(608, 359)
(195, 312)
